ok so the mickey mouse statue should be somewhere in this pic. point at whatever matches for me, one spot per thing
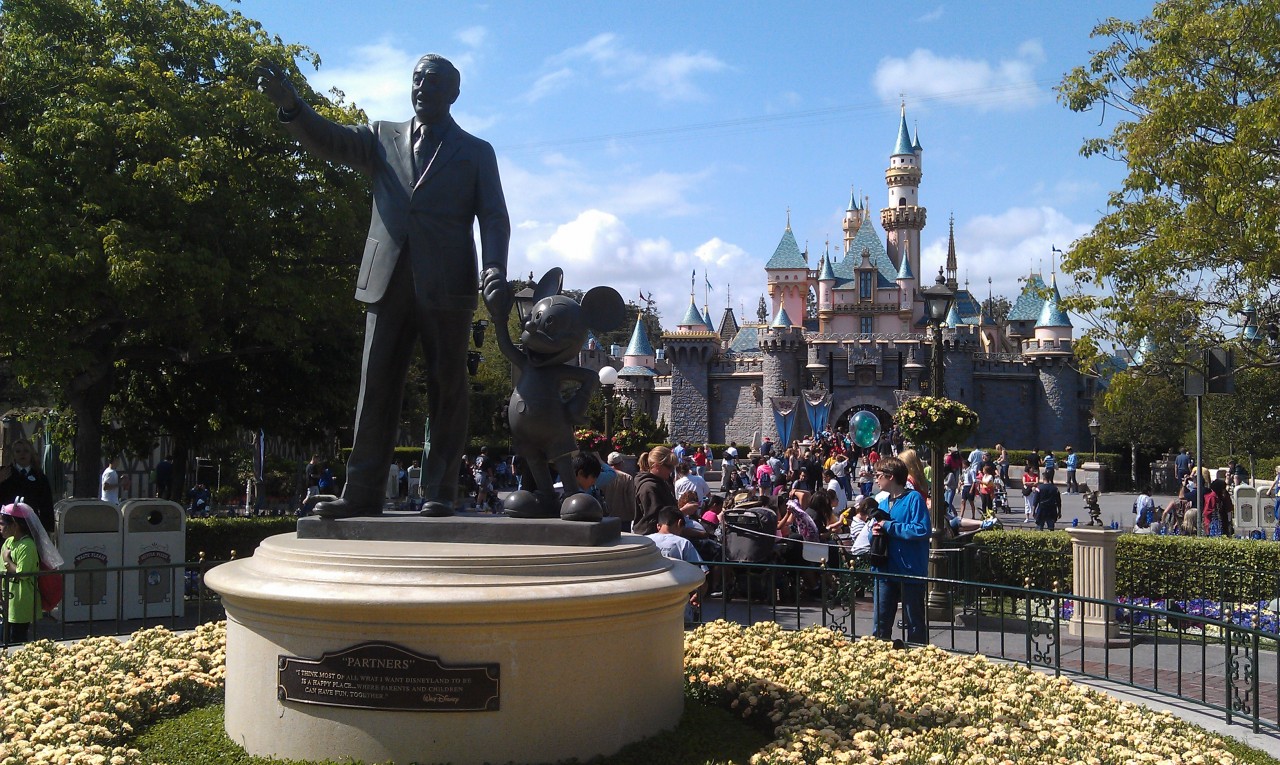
(551, 395)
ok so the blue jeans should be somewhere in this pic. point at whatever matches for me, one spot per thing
(948, 499)
(888, 593)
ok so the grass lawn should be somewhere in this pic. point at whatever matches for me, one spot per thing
(706, 736)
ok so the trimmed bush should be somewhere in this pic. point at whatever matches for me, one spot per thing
(1153, 566)
(1012, 557)
(217, 537)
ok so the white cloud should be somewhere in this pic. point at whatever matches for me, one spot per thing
(932, 16)
(670, 76)
(377, 78)
(472, 37)
(549, 83)
(1008, 84)
(1006, 246)
(597, 247)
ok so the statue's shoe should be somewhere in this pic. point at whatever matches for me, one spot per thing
(348, 508)
(436, 509)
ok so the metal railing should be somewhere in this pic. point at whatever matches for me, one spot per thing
(1216, 663)
(107, 616)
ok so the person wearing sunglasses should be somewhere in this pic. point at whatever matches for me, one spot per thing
(908, 529)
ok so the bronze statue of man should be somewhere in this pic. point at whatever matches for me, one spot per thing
(419, 277)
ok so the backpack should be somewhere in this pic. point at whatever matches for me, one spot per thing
(766, 480)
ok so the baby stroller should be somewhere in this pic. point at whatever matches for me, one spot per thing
(1000, 499)
(750, 536)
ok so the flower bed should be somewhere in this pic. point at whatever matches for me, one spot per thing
(76, 704)
(834, 701)
(827, 700)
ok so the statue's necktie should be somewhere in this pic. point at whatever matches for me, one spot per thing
(421, 152)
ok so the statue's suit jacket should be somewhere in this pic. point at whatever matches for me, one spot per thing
(431, 217)
(428, 220)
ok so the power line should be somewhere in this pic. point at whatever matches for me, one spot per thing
(741, 125)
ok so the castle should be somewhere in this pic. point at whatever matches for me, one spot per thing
(855, 326)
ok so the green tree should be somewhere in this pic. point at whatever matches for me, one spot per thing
(1247, 423)
(1139, 409)
(166, 244)
(1192, 237)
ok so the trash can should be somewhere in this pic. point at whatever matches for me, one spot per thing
(155, 536)
(90, 539)
(1246, 510)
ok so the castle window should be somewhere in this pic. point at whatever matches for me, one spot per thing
(902, 201)
(864, 285)
(866, 325)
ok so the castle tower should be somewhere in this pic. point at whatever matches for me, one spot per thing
(689, 350)
(826, 294)
(906, 281)
(788, 275)
(904, 218)
(636, 378)
(854, 217)
(783, 349)
(1050, 352)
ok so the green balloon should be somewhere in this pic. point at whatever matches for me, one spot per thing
(866, 428)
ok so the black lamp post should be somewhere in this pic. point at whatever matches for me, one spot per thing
(937, 304)
(477, 331)
(608, 379)
(1094, 427)
(524, 300)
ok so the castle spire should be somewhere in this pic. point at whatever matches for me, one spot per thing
(952, 265)
(903, 144)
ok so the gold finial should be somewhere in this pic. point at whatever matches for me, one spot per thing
(788, 217)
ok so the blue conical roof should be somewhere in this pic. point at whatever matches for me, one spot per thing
(1145, 348)
(639, 345)
(692, 316)
(903, 146)
(915, 142)
(787, 255)
(904, 270)
(953, 316)
(706, 319)
(853, 200)
(828, 273)
(782, 320)
(1052, 315)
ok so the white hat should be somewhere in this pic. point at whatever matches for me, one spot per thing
(615, 458)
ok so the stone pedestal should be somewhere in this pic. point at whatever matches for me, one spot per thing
(584, 646)
(1093, 575)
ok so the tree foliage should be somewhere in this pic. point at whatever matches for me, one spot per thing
(1141, 409)
(172, 257)
(1192, 237)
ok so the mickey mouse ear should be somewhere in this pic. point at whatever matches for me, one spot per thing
(549, 285)
(604, 308)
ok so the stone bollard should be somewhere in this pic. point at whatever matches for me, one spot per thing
(1093, 575)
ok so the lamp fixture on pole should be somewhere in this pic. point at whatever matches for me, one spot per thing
(1094, 427)
(608, 379)
(937, 304)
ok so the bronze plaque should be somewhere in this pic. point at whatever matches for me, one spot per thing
(386, 676)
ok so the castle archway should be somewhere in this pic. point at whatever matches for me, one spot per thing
(885, 417)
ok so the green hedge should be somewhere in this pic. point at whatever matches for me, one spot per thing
(1011, 557)
(1237, 570)
(217, 537)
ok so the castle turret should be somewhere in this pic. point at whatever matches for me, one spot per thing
(826, 293)
(783, 350)
(906, 281)
(1053, 329)
(693, 320)
(953, 266)
(636, 378)
(788, 275)
(904, 218)
(690, 353)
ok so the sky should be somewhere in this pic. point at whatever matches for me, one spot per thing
(639, 143)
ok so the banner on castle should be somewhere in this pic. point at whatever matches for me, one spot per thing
(817, 404)
(784, 417)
